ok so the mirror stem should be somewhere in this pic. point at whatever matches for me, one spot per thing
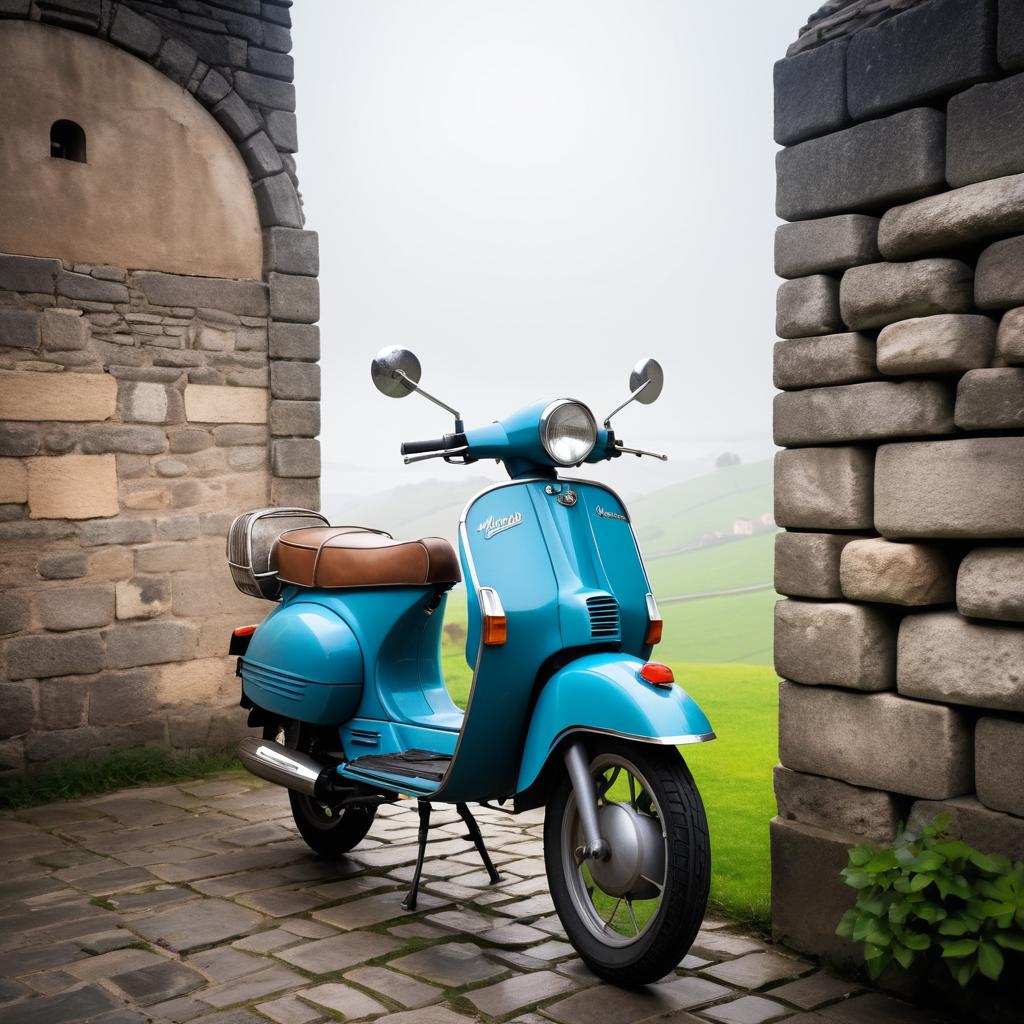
(409, 382)
(632, 398)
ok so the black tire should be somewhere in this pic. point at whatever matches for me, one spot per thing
(329, 831)
(669, 932)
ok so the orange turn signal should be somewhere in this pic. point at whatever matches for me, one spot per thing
(657, 674)
(495, 625)
(654, 623)
(243, 631)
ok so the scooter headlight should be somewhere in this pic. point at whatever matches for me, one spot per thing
(568, 432)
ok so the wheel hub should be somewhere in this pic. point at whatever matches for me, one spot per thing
(637, 858)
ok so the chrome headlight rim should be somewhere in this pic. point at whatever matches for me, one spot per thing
(545, 420)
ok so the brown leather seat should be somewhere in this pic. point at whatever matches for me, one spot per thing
(345, 556)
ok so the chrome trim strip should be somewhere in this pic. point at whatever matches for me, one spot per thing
(668, 741)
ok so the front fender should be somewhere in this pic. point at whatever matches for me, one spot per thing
(604, 693)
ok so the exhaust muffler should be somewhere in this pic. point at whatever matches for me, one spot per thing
(289, 768)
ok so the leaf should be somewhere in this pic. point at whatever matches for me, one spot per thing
(860, 855)
(954, 849)
(930, 912)
(958, 947)
(845, 927)
(919, 882)
(857, 878)
(903, 956)
(984, 862)
(990, 960)
(930, 860)
(1010, 940)
(915, 941)
(872, 952)
(963, 971)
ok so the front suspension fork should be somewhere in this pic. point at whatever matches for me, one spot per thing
(577, 763)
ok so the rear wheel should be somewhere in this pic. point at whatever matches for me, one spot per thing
(633, 917)
(328, 829)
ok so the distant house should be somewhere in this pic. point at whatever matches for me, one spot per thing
(743, 527)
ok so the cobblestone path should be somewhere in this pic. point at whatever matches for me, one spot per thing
(199, 902)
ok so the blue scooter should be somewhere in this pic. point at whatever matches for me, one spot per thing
(566, 709)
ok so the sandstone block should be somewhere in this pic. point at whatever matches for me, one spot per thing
(873, 569)
(294, 298)
(294, 341)
(68, 608)
(145, 402)
(119, 698)
(991, 399)
(945, 657)
(882, 293)
(67, 397)
(926, 51)
(970, 487)
(150, 643)
(807, 306)
(205, 682)
(291, 251)
(829, 359)
(13, 481)
(1010, 337)
(859, 412)
(294, 380)
(175, 557)
(294, 419)
(999, 276)
(869, 165)
(990, 584)
(295, 493)
(243, 298)
(111, 563)
(806, 862)
(39, 657)
(807, 564)
(835, 644)
(827, 244)
(810, 93)
(952, 219)
(213, 403)
(64, 329)
(999, 764)
(144, 597)
(986, 830)
(72, 487)
(869, 814)
(296, 457)
(19, 328)
(985, 132)
(824, 488)
(944, 343)
(877, 740)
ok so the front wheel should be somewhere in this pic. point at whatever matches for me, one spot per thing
(633, 917)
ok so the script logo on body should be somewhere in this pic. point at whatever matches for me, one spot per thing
(605, 514)
(493, 524)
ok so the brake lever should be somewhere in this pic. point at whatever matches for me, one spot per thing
(435, 455)
(621, 450)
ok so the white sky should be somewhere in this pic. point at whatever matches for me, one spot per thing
(533, 194)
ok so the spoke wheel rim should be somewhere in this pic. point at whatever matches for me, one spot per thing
(613, 920)
(320, 815)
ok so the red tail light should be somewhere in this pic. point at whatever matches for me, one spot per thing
(657, 674)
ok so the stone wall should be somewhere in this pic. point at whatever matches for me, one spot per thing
(140, 410)
(901, 487)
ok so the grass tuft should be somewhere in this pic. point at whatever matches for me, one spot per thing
(65, 780)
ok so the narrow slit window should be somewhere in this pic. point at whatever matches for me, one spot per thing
(67, 141)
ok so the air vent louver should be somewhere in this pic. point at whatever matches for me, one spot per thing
(604, 617)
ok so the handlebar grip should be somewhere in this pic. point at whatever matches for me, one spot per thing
(417, 447)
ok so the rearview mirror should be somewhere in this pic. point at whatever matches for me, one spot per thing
(387, 368)
(648, 375)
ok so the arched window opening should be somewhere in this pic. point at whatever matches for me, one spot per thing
(67, 141)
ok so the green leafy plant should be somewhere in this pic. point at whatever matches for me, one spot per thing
(931, 894)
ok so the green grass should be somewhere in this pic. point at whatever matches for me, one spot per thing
(719, 630)
(738, 563)
(65, 780)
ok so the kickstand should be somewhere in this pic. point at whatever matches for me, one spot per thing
(478, 841)
(409, 903)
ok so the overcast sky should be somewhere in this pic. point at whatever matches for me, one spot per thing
(532, 195)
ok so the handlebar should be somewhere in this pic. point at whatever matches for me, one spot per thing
(436, 445)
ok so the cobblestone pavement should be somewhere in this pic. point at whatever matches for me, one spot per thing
(199, 902)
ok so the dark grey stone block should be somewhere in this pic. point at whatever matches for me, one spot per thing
(300, 381)
(14, 614)
(158, 982)
(67, 565)
(261, 156)
(294, 341)
(150, 643)
(878, 294)
(243, 298)
(991, 399)
(115, 531)
(213, 88)
(871, 165)
(83, 15)
(291, 251)
(136, 34)
(824, 488)
(177, 60)
(265, 92)
(236, 117)
(985, 132)
(1010, 36)
(83, 286)
(975, 824)
(271, 64)
(810, 93)
(277, 37)
(999, 275)
(39, 657)
(929, 50)
(807, 307)
(16, 440)
(990, 585)
(77, 1004)
(828, 359)
(28, 274)
(115, 438)
(294, 298)
(282, 127)
(19, 328)
(278, 13)
(278, 202)
(807, 564)
(827, 244)
(294, 419)
(296, 457)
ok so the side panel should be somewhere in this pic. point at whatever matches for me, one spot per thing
(604, 693)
